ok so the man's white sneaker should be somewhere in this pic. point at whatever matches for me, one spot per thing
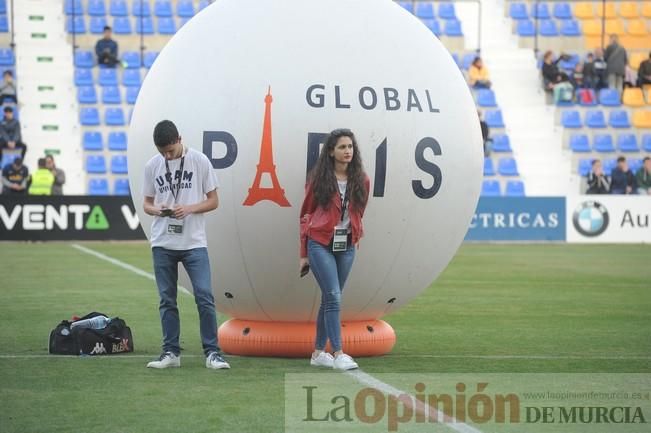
(344, 362)
(324, 359)
(166, 360)
(215, 361)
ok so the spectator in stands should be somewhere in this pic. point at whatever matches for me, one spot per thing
(622, 178)
(590, 78)
(59, 175)
(616, 60)
(485, 132)
(10, 136)
(601, 69)
(598, 182)
(643, 177)
(644, 73)
(42, 180)
(14, 178)
(8, 88)
(554, 80)
(578, 78)
(478, 75)
(107, 49)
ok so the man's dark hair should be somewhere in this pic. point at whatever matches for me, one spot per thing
(621, 159)
(8, 110)
(594, 161)
(41, 163)
(107, 28)
(165, 133)
(646, 158)
(8, 72)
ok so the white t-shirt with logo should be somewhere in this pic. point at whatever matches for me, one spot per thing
(197, 180)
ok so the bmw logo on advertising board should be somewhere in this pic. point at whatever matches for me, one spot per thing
(590, 218)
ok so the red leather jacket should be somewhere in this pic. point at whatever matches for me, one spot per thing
(318, 223)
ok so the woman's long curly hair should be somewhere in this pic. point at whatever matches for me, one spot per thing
(322, 177)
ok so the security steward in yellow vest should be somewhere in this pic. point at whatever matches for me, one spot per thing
(42, 180)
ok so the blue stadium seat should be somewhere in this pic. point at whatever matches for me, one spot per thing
(4, 24)
(114, 117)
(182, 21)
(541, 11)
(569, 62)
(89, 116)
(108, 77)
(490, 188)
(486, 98)
(97, 25)
(130, 115)
(84, 59)
(609, 98)
(406, 5)
(627, 143)
(489, 168)
(455, 57)
(92, 140)
(95, 164)
(570, 28)
(494, 119)
(185, 9)
(73, 7)
(433, 25)
(122, 26)
(163, 8)
(121, 187)
(579, 143)
(589, 101)
(118, 8)
(111, 95)
(518, 11)
(141, 8)
(609, 165)
(619, 119)
(117, 140)
(562, 11)
(145, 25)
(8, 158)
(447, 11)
(425, 10)
(501, 143)
(98, 186)
(79, 23)
(467, 60)
(595, 119)
(646, 142)
(603, 143)
(585, 165)
(452, 28)
(548, 28)
(150, 57)
(507, 167)
(514, 188)
(132, 94)
(634, 164)
(86, 95)
(526, 28)
(119, 164)
(204, 4)
(7, 57)
(84, 77)
(132, 58)
(96, 8)
(3, 6)
(166, 26)
(131, 77)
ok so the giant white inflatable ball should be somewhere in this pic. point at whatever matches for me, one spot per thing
(367, 65)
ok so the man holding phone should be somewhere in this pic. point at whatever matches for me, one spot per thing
(180, 187)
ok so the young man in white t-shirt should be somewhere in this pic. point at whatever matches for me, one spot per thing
(180, 186)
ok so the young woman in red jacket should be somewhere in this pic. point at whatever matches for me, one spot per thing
(331, 226)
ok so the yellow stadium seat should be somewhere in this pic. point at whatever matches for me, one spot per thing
(642, 119)
(646, 9)
(610, 10)
(583, 11)
(629, 10)
(633, 97)
(637, 28)
(615, 27)
(634, 59)
(592, 28)
(648, 94)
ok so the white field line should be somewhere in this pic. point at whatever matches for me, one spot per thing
(121, 264)
(529, 357)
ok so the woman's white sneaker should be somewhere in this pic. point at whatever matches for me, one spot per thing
(166, 360)
(215, 361)
(324, 359)
(344, 362)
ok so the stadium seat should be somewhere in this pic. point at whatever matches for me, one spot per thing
(3, 6)
(79, 23)
(609, 165)
(619, 119)
(84, 59)
(570, 28)
(117, 140)
(603, 143)
(514, 188)
(185, 9)
(507, 167)
(84, 77)
(595, 119)
(7, 57)
(586, 97)
(627, 143)
(73, 7)
(132, 94)
(95, 164)
(634, 164)
(609, 97)
(122, 26)
(97, 25)
(490, 188)
(86, 95)
(571, 119)
(121, 187)
(447, 11)
(569, 62)
(633, 97)
(111, 95)
(548, 28)
(163, 8)
(592, 28)
(501, 143)
(8, 158)
(433, 25)
(141, 8)
(518, 11)
(150, 57)
(98, 186)
(489, 168)
(634, 59)
(96, 8)
(182, 21)
(119, 164)
(166, 26)
(646, 142)
(583, 10)
(526, 28)
(114, 117)
(494, 119)
(452, 28)
(540, 11)
(131, 77)
(609, 11)
(579, 143)
(118, 8)
(455, 57)
(406, 5)
(89, 116)
(132, 59)
(108, 77)
(467, 60)
(646, 10)
(425, 10)
(205, 3)
(4, 24)
(144, 25)
(642, 119)
(562, 11)
(585, 165)
(486, 98)
(637, 28)
(92, 140)
(629, 10)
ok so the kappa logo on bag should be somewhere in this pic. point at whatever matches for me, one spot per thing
(98, 349)
(115, 337)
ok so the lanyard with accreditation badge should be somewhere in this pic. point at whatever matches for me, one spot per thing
(175, 226)
(340, 240)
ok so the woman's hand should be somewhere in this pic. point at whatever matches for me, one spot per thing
(304, 261)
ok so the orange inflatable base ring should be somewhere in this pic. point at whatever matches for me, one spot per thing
(296, 339)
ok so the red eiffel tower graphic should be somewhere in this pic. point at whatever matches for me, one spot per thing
(266, 165)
